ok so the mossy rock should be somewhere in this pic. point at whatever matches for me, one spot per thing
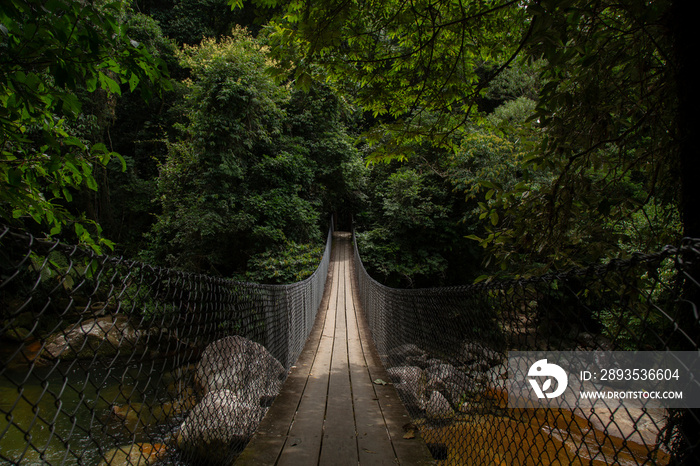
(106, 336)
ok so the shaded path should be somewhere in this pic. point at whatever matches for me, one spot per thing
(329, 411)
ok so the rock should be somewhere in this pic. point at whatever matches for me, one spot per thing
(421, 361)
(478, 366)
(242, 366)
(411, 384)
(142, 454)
(219, 426)
(24, 319)
(17, 334)
(496, 376)
(438, 408)
(633, 424)
(180, 382)
(587, 341)
(411, 375)
(433, 362)
(466, 407)
(454, 384)
(240, 378)
(441, 371)
(102, 336)
(24, 353)
(476, 353)
(399, 355)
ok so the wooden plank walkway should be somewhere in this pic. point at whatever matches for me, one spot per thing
(329, 412)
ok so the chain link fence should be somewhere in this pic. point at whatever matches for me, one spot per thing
(110, 361)
(446, 351)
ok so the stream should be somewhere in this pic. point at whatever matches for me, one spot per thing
(64, 414)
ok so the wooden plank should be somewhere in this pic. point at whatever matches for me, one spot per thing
(306, 433)
(329, 411)
(339, 439)
(408, 451)
(273, 432)
(374, 442)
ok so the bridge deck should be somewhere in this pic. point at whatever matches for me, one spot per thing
(329, 411)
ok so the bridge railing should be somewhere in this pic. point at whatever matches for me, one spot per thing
(111, 361)
(446, 351)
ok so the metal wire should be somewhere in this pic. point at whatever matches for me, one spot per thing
(445, 350)
(111, 361)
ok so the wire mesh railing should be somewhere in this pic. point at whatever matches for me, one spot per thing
(111, 361)
(446, 351)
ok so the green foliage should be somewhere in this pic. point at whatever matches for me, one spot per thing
(604, 110)
(416, 63)
(47, 52)
(290, 263)
(410, 229)
(55, 268)
(516, 81)
(139, 131)
(513, 115)
(409, 201)
(629, 320)
(234, 115)
(255, 166)
(235, 101)
(398, 263)
(409, 211)
(526, 232)
(482, 159)
(584, 91)
(190, 21)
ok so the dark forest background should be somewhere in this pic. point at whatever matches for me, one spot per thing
(465, 139)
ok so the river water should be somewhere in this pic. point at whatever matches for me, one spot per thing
(65, 414)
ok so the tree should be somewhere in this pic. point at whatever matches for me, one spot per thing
(607, 116)
(48, 50)
(254, 169)
(190, 21)
(410, 228)
(419, 64)
(206, 187)
(139, 130)
(606, 113)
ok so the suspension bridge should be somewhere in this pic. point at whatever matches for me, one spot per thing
(111, 361)
(334, 408)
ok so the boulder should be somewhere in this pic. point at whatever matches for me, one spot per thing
(454, 384)
(410, 383)
(17, 334)
(219, 426)
(438, 408)
(497, 376)
(399, 355)
(421, 361)
(243, 367)
(239, 378)
(105, 336)
(411, 375)
(472, 353)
